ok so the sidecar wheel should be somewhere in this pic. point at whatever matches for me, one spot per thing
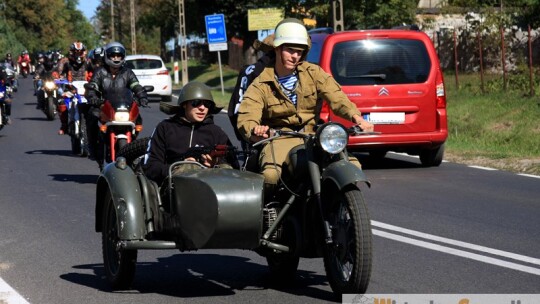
(347, 260)
(119, 264)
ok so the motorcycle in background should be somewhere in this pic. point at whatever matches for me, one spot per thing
(120, 122)
(24, 68)
(49, 95)
(4, 106)
(76, 105)
(11, 75)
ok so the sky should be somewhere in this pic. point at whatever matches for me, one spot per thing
(88, 7)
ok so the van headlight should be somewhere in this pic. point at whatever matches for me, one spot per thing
(333, 138)
(121, 116)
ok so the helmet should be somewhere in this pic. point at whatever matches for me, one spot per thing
(195, 90)
(41, 56)
(115, 48)
(8, 56)
(77, 51)
(97, 55)
(291, 31)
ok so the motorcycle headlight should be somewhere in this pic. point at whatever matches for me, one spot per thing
(50, 85)
(121, 116)
(1, 94)
(333, 138)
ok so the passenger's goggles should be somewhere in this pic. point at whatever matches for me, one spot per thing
(198, 102)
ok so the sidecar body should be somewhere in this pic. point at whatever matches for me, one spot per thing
(210, 208)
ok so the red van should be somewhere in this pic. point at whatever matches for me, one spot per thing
(394, 78)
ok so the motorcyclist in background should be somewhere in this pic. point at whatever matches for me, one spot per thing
(73, 68)
(113, 74)
(42, 71)
(8, 97)
(9, 60)
(24, 57)
(96, 59)
(39, 66)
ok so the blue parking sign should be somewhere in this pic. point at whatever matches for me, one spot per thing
(215, 28)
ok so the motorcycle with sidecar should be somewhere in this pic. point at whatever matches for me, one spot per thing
(318, 211)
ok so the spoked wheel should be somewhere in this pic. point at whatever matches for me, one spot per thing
(119, 264)
(347, 260)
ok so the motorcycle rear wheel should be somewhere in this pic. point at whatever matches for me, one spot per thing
(348, 259)
(119, 264)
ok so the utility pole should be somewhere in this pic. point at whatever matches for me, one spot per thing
(337, 13)
(133, 31)
(112, 20)
(183, 42)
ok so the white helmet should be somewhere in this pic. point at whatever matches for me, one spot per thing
(291, 31)
(115, 48)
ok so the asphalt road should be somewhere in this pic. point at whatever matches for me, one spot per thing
(450, 229)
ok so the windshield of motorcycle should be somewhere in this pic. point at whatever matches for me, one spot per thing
(119, 97)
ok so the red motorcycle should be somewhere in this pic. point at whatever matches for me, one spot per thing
(24, 68)
(120, 122)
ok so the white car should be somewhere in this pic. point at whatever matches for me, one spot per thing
(150, 70)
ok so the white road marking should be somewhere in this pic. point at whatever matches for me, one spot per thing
(483, 168)
(529, 175)
(8, 295)
(458, 252)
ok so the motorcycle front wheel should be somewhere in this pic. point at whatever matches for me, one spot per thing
(50, 111)
(348, 259)
(119, 264)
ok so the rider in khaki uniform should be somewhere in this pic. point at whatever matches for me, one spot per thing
(284, 96)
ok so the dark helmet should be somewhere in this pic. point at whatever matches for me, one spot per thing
(8, 56)
(41, 56)
(197, 91)
(49, 60)
(97, 55)
(77, 51)
(115, 48)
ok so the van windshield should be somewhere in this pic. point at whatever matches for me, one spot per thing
(384, 61)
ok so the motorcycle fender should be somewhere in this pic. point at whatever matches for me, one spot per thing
(128, 202)
(343, 173)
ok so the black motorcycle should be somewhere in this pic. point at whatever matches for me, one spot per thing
(319, 211)
(48, 96)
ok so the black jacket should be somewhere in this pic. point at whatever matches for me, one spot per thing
(173, 137)
(245, 78)
(104, 81)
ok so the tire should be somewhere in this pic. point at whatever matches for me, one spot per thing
(377, 155)
(432, 157)
(51, 109)
(83, 137)
(134, 150)
(348, 260)
(119, 265)
(75, 144)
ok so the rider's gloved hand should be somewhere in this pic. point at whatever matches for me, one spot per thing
(143, 102)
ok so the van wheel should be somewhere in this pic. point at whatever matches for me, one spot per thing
(432, 157)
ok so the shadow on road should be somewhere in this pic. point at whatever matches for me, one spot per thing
(189, 275)
(77, 178)
(388, 162)
(35, 118)
(52, 152)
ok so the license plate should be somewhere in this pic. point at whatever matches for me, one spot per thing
(385, 118)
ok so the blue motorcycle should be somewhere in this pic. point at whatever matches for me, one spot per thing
(5, 105)
(76, 103)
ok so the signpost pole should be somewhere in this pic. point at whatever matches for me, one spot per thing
(220, 72)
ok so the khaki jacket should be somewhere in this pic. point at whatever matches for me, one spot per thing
(265, 104)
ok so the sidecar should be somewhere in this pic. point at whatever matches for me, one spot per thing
(205, 209)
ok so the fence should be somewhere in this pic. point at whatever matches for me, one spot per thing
(510, 54)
